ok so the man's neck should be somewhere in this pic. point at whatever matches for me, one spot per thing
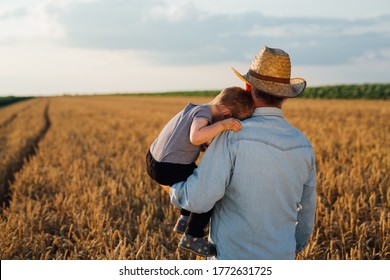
(260, 103)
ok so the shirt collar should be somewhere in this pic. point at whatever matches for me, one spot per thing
(267, 111)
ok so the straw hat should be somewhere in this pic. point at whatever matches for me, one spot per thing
(270, 72)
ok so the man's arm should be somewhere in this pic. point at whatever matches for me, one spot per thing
(306, 215)
(208, 182)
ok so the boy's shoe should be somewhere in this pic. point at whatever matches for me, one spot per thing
(181, 226)
(197, 245)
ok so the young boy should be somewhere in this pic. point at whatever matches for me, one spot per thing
(171, 157)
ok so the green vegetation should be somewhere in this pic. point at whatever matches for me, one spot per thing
(354, 91)
(7, 100)
(363, 91)
(357, 91)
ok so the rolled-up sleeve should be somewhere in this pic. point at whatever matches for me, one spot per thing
(208, 182)
(306, 216)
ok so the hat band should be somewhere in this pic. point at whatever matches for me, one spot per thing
(268, 78)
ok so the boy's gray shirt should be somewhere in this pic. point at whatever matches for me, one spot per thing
(173, 143)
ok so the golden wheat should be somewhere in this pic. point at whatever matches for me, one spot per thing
(19, 125)
(85, 194)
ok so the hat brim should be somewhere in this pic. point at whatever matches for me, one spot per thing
(293, 89)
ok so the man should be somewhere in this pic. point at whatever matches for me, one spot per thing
(260, 180)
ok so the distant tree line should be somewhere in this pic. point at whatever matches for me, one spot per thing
(7, 100)
(356, 91)
(362, 91)
(353, 91)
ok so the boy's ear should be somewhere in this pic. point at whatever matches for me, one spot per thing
(225, 112)
(226, 116)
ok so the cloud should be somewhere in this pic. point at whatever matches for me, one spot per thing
(13, 13)
(184, 35)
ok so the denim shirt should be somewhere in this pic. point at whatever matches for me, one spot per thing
(261, 182)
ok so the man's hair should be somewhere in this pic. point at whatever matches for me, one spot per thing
(267, 98)
(237, 100)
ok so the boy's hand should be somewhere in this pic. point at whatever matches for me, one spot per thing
(231, 124)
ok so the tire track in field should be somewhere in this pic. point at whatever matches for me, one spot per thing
(8, 121)
(25, 154)
(12, 117)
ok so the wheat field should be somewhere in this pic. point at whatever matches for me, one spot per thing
(74, 186)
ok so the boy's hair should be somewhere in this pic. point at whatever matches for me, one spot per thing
(237, 100)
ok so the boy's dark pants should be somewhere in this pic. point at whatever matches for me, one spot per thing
(166, 173)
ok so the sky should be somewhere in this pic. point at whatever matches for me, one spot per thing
(55, 47)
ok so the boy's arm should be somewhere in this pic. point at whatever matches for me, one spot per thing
(201, 132)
